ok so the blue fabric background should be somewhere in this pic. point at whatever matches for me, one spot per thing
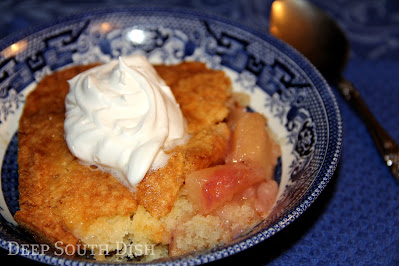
(355, 220)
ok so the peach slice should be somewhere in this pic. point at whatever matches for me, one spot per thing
(212, 187)
(252, 143)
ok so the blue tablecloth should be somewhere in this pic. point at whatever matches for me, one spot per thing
(355, 219)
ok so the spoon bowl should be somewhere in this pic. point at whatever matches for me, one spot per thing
(318, 37)
(307, 33)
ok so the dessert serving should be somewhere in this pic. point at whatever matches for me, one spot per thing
(129, 162)
(88, 208)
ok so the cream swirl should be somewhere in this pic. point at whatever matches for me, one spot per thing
(122, 116)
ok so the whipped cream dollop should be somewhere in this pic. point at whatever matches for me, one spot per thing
(123, 116)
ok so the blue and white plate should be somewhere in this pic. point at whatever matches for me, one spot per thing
(284, 86)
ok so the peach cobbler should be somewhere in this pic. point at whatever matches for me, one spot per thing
(213, 187)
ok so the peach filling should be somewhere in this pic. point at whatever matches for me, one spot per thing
(247, 174)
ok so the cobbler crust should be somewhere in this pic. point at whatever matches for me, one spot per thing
(60, 198)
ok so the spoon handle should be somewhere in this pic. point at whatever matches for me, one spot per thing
(386, 145)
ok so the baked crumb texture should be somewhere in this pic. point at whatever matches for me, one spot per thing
(63, 201)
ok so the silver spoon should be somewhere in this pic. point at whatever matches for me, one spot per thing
(316, 35)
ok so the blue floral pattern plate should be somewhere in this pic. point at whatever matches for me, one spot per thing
(300, 106)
